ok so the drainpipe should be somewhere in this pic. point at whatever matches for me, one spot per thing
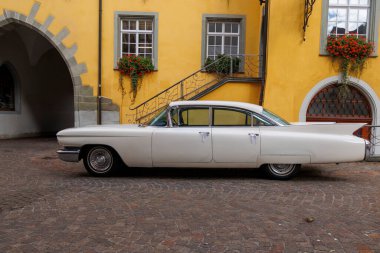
(264, 35)
(99, 100)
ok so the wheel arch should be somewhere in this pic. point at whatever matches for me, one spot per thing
(85, 148)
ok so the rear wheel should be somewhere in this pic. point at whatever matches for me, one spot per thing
(282, 171)
(100, 161)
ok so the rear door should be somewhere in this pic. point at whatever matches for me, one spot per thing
(234, 138)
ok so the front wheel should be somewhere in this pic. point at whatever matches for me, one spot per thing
(100, 161)
(282, 171)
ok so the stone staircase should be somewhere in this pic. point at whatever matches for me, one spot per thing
(86, 107)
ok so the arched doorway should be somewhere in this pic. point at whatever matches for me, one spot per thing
(36, 87)
(336, 104)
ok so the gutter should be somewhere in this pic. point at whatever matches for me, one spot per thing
(264, 36)
(99, 97)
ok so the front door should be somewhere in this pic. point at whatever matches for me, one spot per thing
(234, 138)
(187, 140)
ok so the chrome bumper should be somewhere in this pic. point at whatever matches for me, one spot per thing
(69, 154)
(367, 150)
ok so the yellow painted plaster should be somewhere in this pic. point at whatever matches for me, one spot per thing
(295, 66)
(179, 37)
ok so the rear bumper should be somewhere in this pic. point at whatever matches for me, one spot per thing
(69, 154)
(367, 150)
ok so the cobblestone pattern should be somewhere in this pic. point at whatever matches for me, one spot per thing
(50, 206)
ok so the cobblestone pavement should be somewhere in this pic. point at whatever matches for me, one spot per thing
(50, 206)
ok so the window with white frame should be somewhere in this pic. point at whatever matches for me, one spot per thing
(223, 37)
(349, 17)
(137, 37)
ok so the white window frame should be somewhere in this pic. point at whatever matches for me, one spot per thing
(137, 32)
(224, 18)
(118, 30)
(347, 7)
(372, 25)
(223, 34)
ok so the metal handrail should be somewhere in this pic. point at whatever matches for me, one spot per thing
(196, 83)
(179, 82)
(373, 138)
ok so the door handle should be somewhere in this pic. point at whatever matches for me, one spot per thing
(204, 135)
(253, 137)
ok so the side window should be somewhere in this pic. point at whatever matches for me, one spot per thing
(160, 120)
(192, 117)
(229, 117)
(260, 121)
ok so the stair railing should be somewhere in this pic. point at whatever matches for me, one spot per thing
(195, 83)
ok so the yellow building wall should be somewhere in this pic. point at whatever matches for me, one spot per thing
(240, 92)
(295, 66)
(179, 37)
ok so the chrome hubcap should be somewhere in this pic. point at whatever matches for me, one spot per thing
(282, 169)
(100, 160)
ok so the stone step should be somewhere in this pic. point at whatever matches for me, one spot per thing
(106, 100)
(87, 99)
(92, 106)
(92, 99)
(86, 91)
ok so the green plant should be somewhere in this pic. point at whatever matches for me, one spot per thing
(351, 51)
(135, 67)
(222, 64)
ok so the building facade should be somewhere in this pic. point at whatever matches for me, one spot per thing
(302, 78)
(49, 56)
(50, 59)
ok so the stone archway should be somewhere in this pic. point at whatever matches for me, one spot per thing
(362, 86)
(84, 102)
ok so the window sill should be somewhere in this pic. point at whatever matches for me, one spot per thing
(371, 56)
(116, 69)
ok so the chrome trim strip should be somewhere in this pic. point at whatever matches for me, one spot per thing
(69, 155)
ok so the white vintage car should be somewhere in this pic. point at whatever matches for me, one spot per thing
(212, 134)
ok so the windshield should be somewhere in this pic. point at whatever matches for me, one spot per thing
(275, 118)
(160, 119)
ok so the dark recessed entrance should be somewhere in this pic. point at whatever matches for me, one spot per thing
(36, 88)
(7, 89)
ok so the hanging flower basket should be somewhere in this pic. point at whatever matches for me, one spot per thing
(135, 67)
(351, 51)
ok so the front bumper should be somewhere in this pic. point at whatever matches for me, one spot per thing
(69, 154)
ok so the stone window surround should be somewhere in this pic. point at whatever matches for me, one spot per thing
(206, 17)
(17, 90)
(117, 22)
(373, 26)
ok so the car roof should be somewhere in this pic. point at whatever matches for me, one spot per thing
(242, 105)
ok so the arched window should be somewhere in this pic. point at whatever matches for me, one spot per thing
(334, 104)
(7, 89)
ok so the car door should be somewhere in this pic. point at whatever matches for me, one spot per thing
(186, 140)
(235, 136)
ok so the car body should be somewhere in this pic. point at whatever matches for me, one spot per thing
(213, 134)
